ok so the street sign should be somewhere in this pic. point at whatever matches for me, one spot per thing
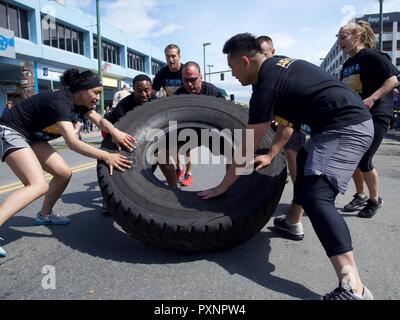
(7, 45)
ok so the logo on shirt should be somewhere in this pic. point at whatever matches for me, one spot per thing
(285, 63)
(351, 77)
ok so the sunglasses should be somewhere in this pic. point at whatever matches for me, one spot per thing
(192, 79)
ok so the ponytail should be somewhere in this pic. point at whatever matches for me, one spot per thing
(367, 34)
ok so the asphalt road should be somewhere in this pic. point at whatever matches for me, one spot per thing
(93, 259)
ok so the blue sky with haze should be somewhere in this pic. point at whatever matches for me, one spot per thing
(301, 29)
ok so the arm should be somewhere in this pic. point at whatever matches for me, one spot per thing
(282, 137)
(113, 160)
(387, 86)
(231, 176)
(119, 138)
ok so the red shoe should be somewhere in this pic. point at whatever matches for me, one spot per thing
(188, 180)
(179, 173)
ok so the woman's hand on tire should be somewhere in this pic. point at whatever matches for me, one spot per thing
(117, 161)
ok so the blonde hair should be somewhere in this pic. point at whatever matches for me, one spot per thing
(363, 28)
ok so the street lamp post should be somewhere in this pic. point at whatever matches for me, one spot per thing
(380, 24)
(204, 55)
(209, 71)
(99, 55)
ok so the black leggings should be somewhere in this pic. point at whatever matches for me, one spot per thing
(381, 127)
(317, 196)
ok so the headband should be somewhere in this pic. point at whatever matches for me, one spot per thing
(86, 84)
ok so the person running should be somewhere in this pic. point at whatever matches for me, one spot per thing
(296, 92)
(372, 75)
(192, 84)
(169, 78)
(24, 134)
(289, 223)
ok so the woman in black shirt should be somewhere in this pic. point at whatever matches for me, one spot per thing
(372, 75)
(24, 134)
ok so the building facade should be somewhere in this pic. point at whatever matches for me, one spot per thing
(55, 37)
(334, 60)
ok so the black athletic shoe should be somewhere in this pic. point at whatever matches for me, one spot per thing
(293, 231)
(357, 202)
(345, 292)
(370, 209)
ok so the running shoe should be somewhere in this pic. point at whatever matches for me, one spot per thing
(370, 209)
(345, 292)
(357, 202)
(293, 231)
(52, 218)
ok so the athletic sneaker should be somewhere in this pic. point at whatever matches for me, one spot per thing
(3, 252)
(188, 180)
(293, 231)
(52, 218)
(345, 292)
(357, 202)
(179, 173)
(370, 209)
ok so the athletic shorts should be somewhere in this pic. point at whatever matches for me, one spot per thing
(336, 153)
(11, 140)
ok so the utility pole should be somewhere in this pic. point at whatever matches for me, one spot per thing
(99, 55)
(380, 24)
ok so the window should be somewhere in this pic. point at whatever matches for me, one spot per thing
(388, 27)
(136, 61)
(387, 45)
(57, 35)
(61, 37)
(110, 51)
(398, 62)
(74, 36)
(15, 19)
(3, 15)
(398, 44)
(155, 66)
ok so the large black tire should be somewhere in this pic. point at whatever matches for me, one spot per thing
(160, 216)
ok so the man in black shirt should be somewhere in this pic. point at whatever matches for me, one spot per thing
(169, 78)
(193, 84)
(293, 92)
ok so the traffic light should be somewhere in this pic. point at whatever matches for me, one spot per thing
(222, 76)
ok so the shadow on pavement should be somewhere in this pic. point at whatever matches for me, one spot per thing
(95, 234)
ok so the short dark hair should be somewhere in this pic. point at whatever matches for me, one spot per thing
(266, 39)
(242, 43)
(192, 63)
(172, 46)
(141, 77)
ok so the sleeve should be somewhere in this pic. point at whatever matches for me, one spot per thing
(382, 66)
(262, 105)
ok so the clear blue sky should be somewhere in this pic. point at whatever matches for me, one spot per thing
(301, 29)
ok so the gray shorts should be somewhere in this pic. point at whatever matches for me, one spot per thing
(336, 153)
(296, 141)
(11, 140)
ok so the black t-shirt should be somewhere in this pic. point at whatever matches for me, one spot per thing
(123, 107)
(302, 93)
(365, 73)
(170, 81)
(206, 88)
(36, 117)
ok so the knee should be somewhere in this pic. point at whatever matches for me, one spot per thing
(42, 187)
(65, 174)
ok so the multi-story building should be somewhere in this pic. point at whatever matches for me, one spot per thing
(56, 37)
(334, 60)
